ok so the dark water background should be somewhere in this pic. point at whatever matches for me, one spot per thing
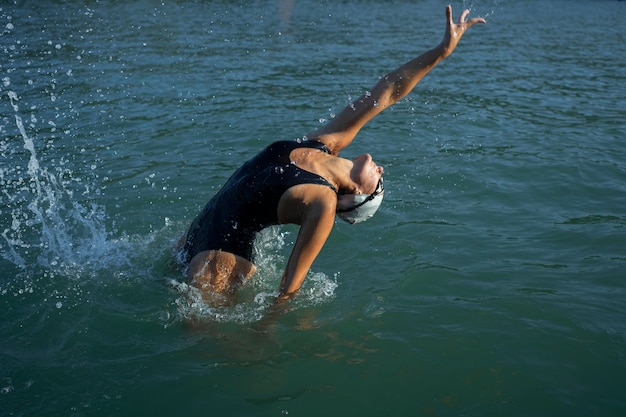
(490, 283)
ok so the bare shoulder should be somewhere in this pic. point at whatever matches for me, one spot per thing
(329, 140)
(334, 141)
(306, 201)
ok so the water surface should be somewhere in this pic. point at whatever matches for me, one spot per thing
(489, 283)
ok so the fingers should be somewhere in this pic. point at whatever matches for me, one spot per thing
(463, 16)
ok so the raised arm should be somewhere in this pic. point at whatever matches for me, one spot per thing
(340, 131)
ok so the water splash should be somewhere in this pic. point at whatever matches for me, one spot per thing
(47, 226)
(257, 296)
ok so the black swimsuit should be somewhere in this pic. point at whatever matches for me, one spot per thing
(248, 202)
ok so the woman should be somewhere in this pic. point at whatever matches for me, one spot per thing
(302, 182)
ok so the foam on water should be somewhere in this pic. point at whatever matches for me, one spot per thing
(51, 229)
(257, 296)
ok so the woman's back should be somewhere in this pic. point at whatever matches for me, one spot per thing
(248, 202)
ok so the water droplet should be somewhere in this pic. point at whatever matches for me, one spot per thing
(59, 304)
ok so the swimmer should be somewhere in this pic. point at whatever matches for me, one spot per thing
(302, 182)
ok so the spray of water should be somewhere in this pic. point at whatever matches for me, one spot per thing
(47, 227)
(482, 9)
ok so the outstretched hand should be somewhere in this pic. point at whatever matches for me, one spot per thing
(454, 31)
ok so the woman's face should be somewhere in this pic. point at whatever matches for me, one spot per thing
(366, 173)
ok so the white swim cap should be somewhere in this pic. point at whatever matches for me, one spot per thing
(363, 206)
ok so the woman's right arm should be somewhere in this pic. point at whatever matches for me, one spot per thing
(340, 131)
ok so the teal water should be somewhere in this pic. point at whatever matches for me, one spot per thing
(490, 283)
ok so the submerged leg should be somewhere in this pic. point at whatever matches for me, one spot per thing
(217, 272)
